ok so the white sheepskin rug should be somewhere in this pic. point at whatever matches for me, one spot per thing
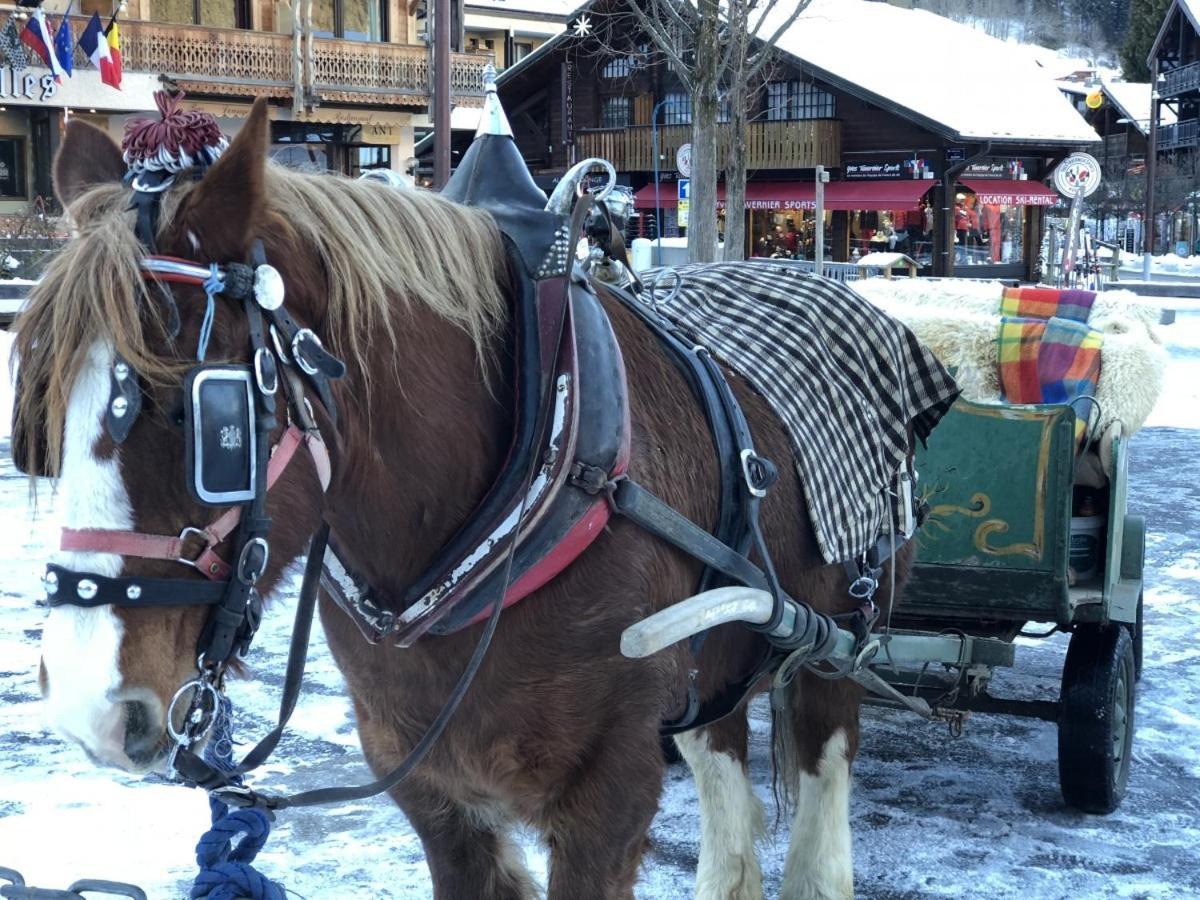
(959, 320)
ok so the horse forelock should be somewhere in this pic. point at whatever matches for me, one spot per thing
(381, 252)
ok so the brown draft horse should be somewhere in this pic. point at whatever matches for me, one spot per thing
(559, 730)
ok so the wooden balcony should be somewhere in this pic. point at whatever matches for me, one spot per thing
(1180, 136)
(236, 62)
(769, 145)
(1182, 80)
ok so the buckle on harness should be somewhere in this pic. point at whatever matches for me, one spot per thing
(192, 531)
(760, 473)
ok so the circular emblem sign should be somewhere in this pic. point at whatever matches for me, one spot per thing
(1079, 171)
(683, 160)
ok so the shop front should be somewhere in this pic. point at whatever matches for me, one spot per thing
(997, 214)
(346, 140)
(34, 109)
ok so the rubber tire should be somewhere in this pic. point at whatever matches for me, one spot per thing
(1100, 664)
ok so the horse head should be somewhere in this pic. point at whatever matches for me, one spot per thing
(106, 350)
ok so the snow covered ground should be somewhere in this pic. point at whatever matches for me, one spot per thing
(933, 816)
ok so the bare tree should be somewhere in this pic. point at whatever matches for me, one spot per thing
(711, 46)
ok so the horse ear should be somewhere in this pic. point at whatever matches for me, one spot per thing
(87, 157)
(225, 208)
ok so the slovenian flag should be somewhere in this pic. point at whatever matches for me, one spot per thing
(113, 35)
(94, 43)
(64, 45)
(36, 37)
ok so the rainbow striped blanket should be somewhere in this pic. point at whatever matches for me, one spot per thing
(1047, 303)
(1053, 358)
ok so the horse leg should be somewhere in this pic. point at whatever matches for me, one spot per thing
(731, 816)
(825, 737)
(468, 849)
(597, 829)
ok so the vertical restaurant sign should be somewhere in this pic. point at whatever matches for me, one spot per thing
(568, 105)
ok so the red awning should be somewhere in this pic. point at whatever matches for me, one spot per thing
(839, 195)
(759, 195)
(900, 194)
(1000, 192)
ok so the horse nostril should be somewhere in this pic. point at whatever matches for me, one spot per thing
(142, 731)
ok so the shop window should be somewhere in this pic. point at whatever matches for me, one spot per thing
(677, 109)
(368, 157)
(614, 112)
(987, 234)
(214, 13)
(790, 100)
(619, 67)
(12, 168)
(354, 20)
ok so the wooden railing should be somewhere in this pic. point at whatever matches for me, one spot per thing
(769, 145)
(1179, 135)
(1181, 80)
(239, 62)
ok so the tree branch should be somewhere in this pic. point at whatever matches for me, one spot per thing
(660, 36)
(766, 51)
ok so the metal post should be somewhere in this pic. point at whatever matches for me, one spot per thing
(819, 236)
(1068, 264)
(658, 225)
(441, 94)
(1151, 171)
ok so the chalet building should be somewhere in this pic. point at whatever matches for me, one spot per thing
(349, 100)
(1175, 67)
(510, 30)
(1123, 122)
(948, 169)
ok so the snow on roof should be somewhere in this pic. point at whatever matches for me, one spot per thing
(990, 90)
(1132, 100)
(558, 9)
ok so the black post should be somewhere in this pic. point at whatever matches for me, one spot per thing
(441, 94)
(1151, 171)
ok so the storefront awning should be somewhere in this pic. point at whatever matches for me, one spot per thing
(839, 195)
(899, 194)
(999, 192)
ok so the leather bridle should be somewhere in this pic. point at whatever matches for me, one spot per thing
(229, 584)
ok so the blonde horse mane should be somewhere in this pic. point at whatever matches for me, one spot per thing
(382, 250)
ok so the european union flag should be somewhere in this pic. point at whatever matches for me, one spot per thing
(64, 45)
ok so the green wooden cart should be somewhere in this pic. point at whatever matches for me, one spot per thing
(994, 561)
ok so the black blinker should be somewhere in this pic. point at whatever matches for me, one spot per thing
(219, 432)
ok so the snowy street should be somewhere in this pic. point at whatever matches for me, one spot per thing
(933, 816)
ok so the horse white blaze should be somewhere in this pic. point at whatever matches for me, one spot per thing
(81, 647)
(819, 865)
(731, 821)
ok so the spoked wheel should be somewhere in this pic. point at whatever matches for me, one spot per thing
(1095, 727)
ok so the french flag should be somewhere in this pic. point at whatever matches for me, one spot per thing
(94, 43)
(36, 37)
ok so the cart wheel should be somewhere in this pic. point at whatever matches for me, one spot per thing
(1095, 726)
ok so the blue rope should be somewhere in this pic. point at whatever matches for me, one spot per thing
(212, 286)
(226, 872)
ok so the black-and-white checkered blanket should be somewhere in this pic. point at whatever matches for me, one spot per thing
(846, 379)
